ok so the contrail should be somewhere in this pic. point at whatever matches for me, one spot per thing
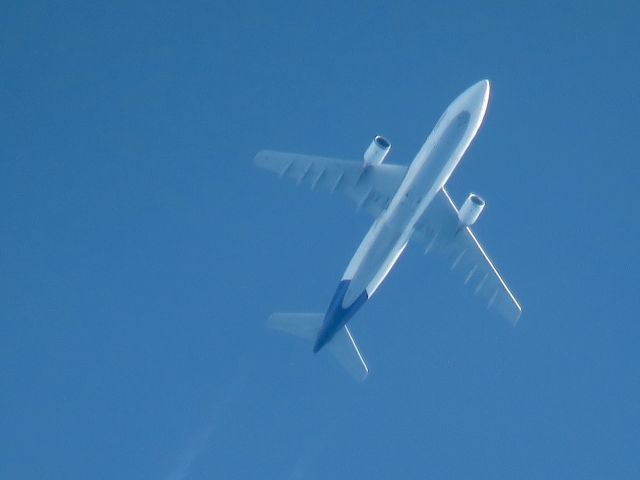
(186, 458)
(307, 459)
(199, 441)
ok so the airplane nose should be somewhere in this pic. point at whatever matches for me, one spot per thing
(476, 97)
(482, 89)
(479, 96)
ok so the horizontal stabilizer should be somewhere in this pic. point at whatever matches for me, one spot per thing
(342, 346)
(303, 325)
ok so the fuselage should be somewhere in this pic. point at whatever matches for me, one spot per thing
(391, 231)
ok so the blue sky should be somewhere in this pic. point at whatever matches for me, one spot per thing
(141, 252)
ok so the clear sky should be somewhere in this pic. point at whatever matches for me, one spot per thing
(141, 252)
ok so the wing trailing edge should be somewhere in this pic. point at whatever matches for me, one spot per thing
(371, 187)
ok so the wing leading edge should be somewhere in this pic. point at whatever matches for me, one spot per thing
(370, 187)
(439, 230)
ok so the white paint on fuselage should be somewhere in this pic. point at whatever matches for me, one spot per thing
(428, 173)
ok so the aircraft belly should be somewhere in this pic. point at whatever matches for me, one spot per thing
(428, 173)
(440, 160)
(377, 253)
(388, 236)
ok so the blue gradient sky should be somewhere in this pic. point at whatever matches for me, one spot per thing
(141, 252)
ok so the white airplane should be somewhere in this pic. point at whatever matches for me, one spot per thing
(408, 204)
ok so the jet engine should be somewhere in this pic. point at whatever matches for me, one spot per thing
(377, 151)
(471, 210)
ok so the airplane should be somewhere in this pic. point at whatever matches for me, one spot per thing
(408, 204)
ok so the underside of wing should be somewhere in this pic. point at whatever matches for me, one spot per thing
(371, 187)
(439, 230)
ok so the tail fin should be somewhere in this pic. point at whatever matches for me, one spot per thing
(342, 346)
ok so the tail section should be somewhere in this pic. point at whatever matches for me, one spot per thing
(342, 346)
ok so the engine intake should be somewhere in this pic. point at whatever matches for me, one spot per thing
(377, 151)
(471, 210)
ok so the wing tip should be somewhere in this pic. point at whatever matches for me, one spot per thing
(518, 313)
(261, 155)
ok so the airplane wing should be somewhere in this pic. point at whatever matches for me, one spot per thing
(370, 187)
(439, 231)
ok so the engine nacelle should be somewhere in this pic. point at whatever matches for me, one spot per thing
(377, 151)
(471, 210)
